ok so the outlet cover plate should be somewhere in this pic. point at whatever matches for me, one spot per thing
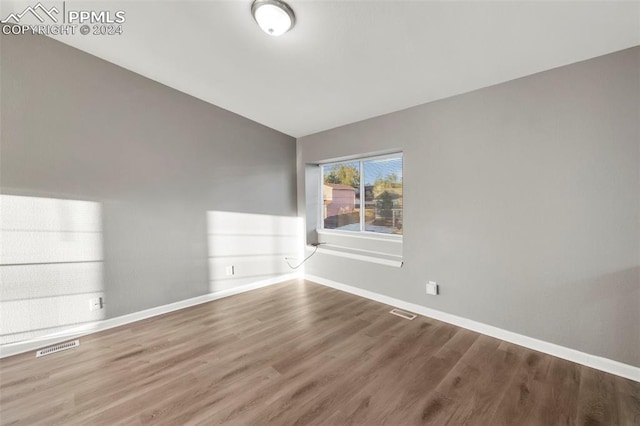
(95, 304)
(432, 288)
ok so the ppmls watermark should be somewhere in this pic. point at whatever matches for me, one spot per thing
(61, 20)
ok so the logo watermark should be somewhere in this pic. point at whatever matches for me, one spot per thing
(58, 19)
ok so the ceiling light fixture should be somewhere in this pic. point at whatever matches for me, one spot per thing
(275, 17)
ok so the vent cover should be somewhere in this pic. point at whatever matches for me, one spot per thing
(57, 348)
(403, 314)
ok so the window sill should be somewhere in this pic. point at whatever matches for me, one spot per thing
(359, 254)
(364, 235)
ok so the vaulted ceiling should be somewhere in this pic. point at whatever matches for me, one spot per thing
(346, 61)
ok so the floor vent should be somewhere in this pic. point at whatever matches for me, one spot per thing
(403, 314)
(57, 348)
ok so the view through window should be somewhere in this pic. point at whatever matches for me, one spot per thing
(363, 195)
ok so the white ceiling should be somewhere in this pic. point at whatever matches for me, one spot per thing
(346, 61)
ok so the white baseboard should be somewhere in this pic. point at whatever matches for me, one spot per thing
(593, 361)
(95, 327)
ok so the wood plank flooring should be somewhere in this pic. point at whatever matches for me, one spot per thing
(301, 353)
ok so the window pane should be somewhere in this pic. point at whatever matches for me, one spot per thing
(383, 195)
(341, 196)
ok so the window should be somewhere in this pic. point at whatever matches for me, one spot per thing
(363, 195)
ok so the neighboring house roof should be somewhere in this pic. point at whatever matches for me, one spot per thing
(340, 186)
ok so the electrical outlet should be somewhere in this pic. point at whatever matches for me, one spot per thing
(432, 288)
(231, 270)
(96, 304)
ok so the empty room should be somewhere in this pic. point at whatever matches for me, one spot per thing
(203, 216)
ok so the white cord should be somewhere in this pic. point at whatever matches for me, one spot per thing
(305, 259)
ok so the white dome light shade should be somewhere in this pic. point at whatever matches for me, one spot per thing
(273, 16)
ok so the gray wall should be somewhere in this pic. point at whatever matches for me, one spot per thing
(157, 162)
(521, 201)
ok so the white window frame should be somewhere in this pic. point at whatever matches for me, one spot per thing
(362, 233)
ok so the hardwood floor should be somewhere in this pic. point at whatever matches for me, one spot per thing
(301, 353)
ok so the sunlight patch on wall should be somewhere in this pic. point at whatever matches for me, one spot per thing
(245, 248)
(51, 265)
